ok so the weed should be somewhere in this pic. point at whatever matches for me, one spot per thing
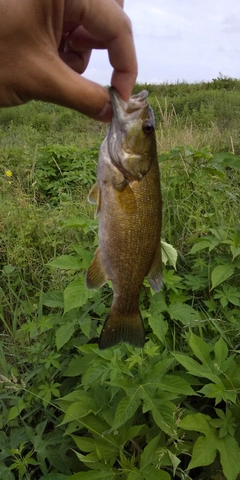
(171, 409)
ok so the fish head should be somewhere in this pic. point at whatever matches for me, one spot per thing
(131, 137)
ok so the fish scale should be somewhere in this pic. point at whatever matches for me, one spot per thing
(129, 206)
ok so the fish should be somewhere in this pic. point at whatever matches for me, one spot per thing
(128, 202)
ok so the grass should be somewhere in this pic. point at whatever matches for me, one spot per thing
(68, 410)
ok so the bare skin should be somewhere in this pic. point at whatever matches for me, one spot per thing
(46, 44)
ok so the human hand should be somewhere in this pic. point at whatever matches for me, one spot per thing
(46, 44)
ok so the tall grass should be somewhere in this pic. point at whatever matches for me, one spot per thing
(67, 408)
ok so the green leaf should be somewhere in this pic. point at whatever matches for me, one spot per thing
(80, 409)
(65, 262)
(76, 294)
(197, 247)
(175, 384)
(85, 324)
(169, 254)
(184, 313)
(54, 476)
(197, 422)
(226, 159)
(125, 410)
(5, 473)
(64, 333)
(154, 473)
(162, 411)
(85, 255)
(53, 299)
(94, 475)
(215, 390)
(159, 326)
(195, 368)
(16, 410)
(135, 475)
(8, 269)
(204, 450)
(95, 372)
(221, 273)
(84, 443)
(200, 349)
(155, 374)
(229, 457)
(175, 461)
(221, 352)
(235, 251)
(149, 452)
(75, 368)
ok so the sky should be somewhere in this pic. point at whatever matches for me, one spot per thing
(179, 40)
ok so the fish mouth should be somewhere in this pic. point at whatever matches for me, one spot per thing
(135, 103)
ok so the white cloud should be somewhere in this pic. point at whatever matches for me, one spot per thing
(180, 40)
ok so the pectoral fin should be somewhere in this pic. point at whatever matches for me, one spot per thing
(126, 200)
(94, 196)
(155, 273)
(96, 276)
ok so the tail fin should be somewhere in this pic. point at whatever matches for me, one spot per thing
(119, 327)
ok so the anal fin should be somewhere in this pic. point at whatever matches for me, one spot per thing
(96, 276)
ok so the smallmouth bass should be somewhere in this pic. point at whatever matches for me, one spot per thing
(129, 206)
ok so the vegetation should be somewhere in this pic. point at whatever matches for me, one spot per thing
(171, 409)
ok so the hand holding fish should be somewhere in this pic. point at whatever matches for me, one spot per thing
(46, 44)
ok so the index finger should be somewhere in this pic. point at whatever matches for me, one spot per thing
(111, 27)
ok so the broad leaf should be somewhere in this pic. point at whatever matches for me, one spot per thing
(197, 422)
(159, 326)
(195, 368)
(125, 410)
(76, 294)
(183, 313)
(204, 450)
(221, 352)
(235, 251)
(64, 333)
(53, 476)
(154, 473)
(229, 457)
(221, 273)
(149, 452)
(175, 384)
(169, 254)
(93, 475)
(16, 410)
(197, 247)
(200, 349)
(65, 262)
(5, 473)
(135, 475)
(53, 299)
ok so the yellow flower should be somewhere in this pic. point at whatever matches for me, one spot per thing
(8, 173)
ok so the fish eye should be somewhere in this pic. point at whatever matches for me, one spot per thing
(148, 127)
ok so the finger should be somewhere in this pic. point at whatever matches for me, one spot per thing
(109, 25)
